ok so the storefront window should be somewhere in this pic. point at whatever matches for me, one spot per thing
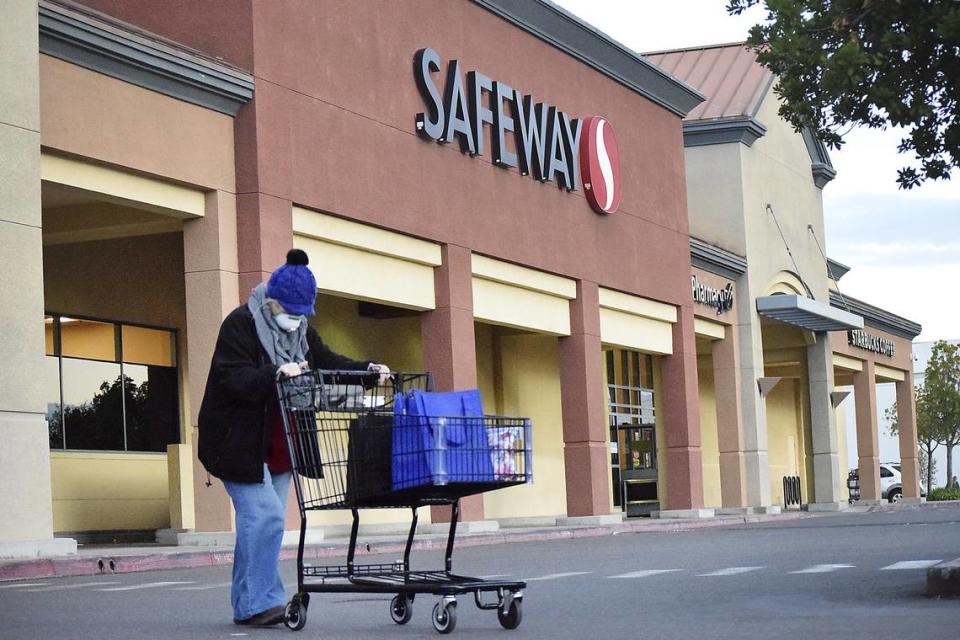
(110, 386)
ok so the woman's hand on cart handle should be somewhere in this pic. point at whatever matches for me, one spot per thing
(289, 370)
(382, 369)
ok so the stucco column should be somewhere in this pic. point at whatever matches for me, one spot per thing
(27, 529)
(907, 426)
(753, 407)
(826, 469)
(680, 407)
(726, 385)
(586, 454)
(210, 277)
(868, 439)
(450, 346)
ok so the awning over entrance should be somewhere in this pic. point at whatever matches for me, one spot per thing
(807, 313)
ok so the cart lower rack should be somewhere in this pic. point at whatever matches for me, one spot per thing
(355, 445)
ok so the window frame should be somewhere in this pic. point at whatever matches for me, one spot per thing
(117, 325)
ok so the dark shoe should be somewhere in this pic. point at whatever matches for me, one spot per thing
(264, 618)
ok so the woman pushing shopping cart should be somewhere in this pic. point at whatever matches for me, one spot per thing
(358, 444)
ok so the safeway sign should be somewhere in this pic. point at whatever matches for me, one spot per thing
(550, 145)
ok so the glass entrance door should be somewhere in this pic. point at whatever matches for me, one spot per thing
(633, 445)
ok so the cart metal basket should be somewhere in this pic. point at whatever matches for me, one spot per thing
(353, 446)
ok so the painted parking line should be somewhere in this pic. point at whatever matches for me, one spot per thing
(824, 568)
(554, 576)
(729, 571)
(75, 585)
(642, 574)
(148, 585)
(910, 564)
(203, 587)
(23, 585)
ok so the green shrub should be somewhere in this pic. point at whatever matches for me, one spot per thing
(942, 493)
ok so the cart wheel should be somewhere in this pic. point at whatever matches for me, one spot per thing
(445, 617)
(295, 617)
(511, 619)
(401, 609)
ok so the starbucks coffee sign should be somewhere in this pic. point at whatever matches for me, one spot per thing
(869, 342)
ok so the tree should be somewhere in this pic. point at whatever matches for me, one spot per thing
(844, 63)
(942, 384)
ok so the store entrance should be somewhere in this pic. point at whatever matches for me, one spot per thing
(632, 424)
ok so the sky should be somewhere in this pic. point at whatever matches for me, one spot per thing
(903, 247)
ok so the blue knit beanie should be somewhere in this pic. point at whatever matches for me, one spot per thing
(293, 284)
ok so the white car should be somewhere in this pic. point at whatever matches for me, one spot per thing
(891, 487)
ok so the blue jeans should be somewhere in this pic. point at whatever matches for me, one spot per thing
(260, 509)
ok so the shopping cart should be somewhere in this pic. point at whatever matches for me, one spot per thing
(355, 444)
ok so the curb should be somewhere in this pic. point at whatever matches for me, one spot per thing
(107, 564)
(943, 580)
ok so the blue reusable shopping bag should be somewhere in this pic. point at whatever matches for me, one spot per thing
(439, 438)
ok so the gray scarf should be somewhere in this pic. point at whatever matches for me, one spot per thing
(281, 346)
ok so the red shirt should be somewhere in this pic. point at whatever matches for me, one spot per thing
(278, 456)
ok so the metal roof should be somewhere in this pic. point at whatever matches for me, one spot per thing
(727, 74)
(807, 313)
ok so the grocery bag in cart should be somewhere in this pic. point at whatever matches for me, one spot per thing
(439, 438)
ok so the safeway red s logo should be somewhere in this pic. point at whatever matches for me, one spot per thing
(600, 165)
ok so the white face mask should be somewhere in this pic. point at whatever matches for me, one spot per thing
(288, 322)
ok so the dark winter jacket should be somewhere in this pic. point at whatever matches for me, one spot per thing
(236, 403)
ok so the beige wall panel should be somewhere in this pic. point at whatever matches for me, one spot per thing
(180, 486)
(394, 341)
(123, 187)
(92, 115)
(508, 273)
(369, 276)
(888, 374)
(715, 195)
(489, 378)
(21, 318)
(19, 101)
(512, 306)
(708, 329)
(110, 515)
(633, 332)
(847, 363)
(137, 280)
(843, 446)
(321, 226)
(776, 171)
(25, 460)
(19, 180)
(618, 301)
(101, 491)
(785, 437)
(530, 375)
(709, 439)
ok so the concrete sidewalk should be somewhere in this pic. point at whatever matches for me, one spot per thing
(108, 559)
